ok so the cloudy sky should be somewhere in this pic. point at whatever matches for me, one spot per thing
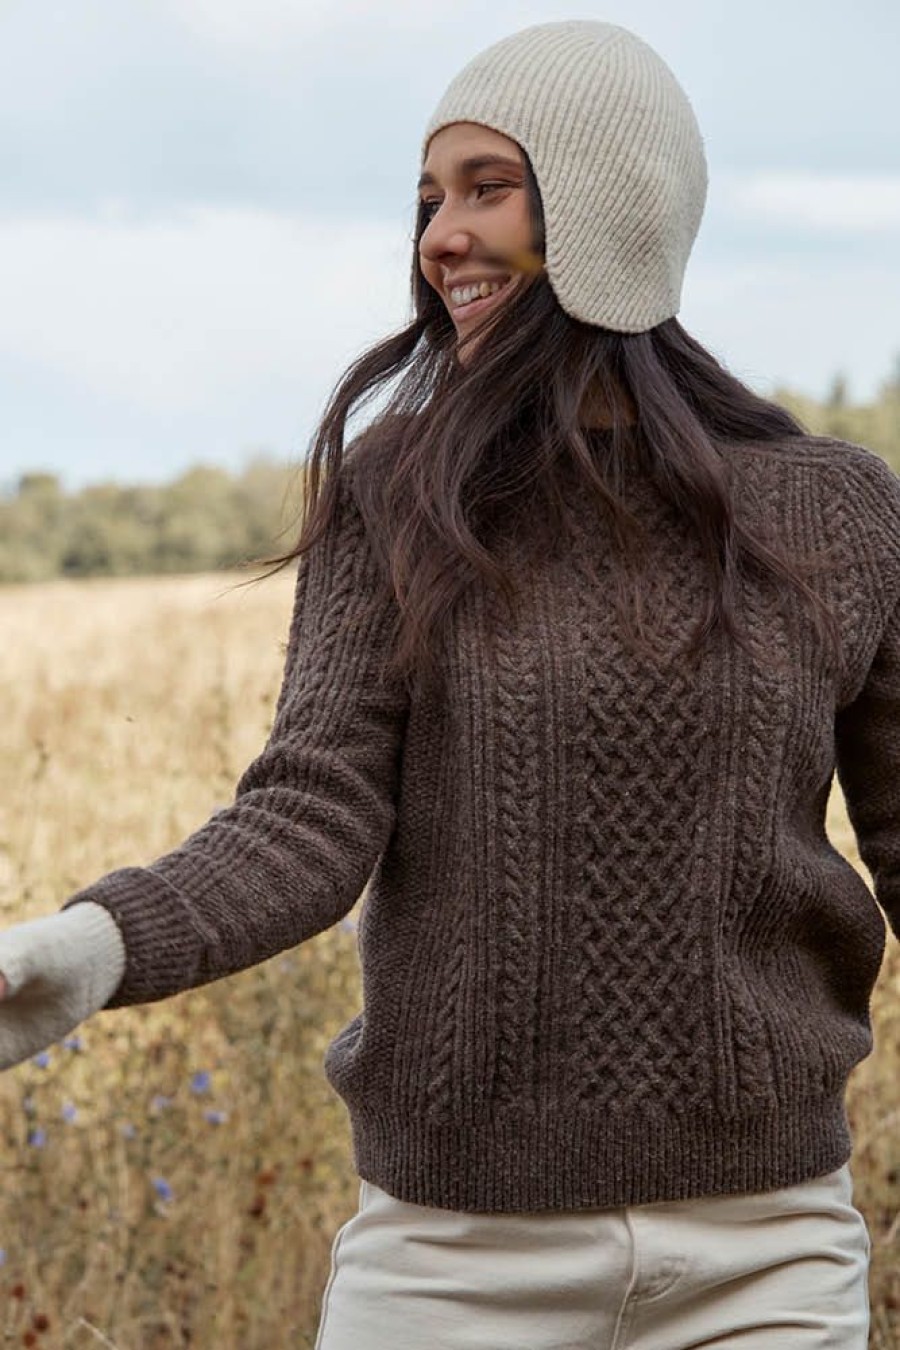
(206, 205)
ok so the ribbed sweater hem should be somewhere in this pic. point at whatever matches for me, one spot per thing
(593, 1162)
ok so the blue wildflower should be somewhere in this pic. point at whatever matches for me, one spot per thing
(42, 1059)
(215, 1117)
(37, 1137)
(162, 1188)
(200, 1082)
(347, 926)
(127, 1130)
(159, 1102)
(69, 1112)
(72, 1043)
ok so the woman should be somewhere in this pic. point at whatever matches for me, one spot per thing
(582, 629)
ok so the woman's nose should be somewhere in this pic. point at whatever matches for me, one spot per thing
(443, 237)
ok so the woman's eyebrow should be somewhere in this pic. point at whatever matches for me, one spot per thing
(472, 165)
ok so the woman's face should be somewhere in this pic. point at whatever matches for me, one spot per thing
(477, 247)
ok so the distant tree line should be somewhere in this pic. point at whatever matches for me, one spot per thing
(205, 520)
(209, 519)
(875, 424)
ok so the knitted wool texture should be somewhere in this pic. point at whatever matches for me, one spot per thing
(617, 155)
(609, 955)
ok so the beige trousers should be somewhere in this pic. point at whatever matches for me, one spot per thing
(784, 1270)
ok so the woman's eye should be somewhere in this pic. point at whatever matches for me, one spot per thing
(490, 187)
(431, 207)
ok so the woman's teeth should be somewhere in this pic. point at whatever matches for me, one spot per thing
(464, 295)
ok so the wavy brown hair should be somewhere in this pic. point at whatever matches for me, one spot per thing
(460, 449)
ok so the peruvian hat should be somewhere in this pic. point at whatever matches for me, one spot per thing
(617, 155)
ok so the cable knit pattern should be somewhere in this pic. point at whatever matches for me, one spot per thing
(639, 895)
(609, 955)
(520, 757)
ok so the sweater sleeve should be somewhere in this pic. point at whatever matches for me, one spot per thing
(311, 814)
(868, 766)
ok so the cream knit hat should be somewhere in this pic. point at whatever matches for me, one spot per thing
(617, 155)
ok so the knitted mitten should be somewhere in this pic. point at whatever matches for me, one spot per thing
(58, 970)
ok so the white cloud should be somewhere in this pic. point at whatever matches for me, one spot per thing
(253, 22)
(797, 323)
(262, 24)
(177, 313)
(861, 203)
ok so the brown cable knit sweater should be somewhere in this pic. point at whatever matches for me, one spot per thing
(609, 954)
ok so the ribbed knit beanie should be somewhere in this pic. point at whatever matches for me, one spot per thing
(618, 158)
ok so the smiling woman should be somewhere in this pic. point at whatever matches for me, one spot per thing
(583, 630)
(478, 243)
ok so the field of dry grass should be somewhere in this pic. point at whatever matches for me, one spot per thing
(173, 1176)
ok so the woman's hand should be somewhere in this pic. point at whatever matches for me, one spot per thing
(55, 972)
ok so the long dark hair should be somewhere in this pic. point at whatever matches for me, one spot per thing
(458, 449)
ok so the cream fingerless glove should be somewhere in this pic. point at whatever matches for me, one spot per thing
(59, 969)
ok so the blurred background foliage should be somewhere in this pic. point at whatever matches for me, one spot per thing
(205, 520)
(209, 519)
(875, 424)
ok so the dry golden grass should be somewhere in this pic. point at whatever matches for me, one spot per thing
(175, 1177)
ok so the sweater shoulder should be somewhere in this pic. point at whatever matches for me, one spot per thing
(856, 491)
(827, 454)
